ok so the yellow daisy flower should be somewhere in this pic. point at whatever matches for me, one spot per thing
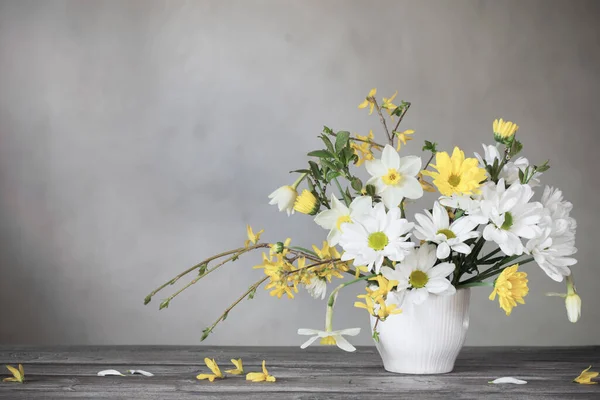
(456, 174)
(511, 287)
(369, 101)
(306, 203)
(504, 131)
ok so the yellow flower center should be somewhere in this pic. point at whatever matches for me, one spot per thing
(378, 241)
(393, 177)
(508, 221)
(454, 180)
(342, 220)
(328, 341)
(447, 232)
(418, 279)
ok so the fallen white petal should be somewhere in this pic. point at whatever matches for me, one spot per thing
(509, 379)
(141, 372)
(110, 372)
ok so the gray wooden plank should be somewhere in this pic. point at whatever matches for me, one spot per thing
(319, 372)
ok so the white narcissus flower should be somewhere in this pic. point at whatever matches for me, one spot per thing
(435, 227)
(376, 235)
(418, 277)
(552, 250)
(317, 288)
(284, 197)
(330, 337)
(511, 216)
(572, 300)
(394, 177)
(339, 214)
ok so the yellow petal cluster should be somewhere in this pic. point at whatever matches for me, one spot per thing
(333, 269)
(511, 288)
(586, 376)
(18, 374)
(456, 174)
(282, 280)
(216, 371)
(388, 105)
(252, 237)
(261, 376)
(369, 101)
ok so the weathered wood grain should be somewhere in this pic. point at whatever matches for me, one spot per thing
(314, 373)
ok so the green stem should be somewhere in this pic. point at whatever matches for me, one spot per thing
(473, 284)
(333, 296)
(487, 256)
(300, 179)
(344, 196)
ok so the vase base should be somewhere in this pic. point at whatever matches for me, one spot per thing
(420, 371)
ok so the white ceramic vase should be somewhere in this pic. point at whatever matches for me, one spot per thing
(426, 340)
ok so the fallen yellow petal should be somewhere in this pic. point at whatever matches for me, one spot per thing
(585, 378)
(239, 369)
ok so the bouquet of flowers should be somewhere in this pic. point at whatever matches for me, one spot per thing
(485, 199)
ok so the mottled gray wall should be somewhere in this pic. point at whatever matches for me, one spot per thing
(137, 137)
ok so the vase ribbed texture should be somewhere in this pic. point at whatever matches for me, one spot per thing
(427, 339)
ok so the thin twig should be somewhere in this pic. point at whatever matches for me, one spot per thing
(382, 120)
(404, 110)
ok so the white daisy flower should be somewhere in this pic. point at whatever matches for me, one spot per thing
(471, 205)
(394, 177)
(511, 216)
(376, 235)
(330, 338)
(553, 249)
(419, 273)
(317, 288)
(340, 214)
(435, 227)
(510, 171)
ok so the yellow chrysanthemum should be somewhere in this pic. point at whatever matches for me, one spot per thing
(585, 378)
(456, 174)
(252, 237)
(369, 101)
(261, 376)
(216, 371)
(511, 287)
(306, 203)
(504, 131)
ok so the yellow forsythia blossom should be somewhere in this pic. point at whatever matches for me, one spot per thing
(585, 378)
(261, 376)
(403, 137)
(18, 374)
(369, 101)
(252, 237)
(216, 372)
(239, 368)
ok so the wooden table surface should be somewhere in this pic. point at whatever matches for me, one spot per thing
(314, 373)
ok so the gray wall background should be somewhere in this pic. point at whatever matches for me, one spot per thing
(138, 137)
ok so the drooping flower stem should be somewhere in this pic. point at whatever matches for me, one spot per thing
(347, 201)
(333, 297)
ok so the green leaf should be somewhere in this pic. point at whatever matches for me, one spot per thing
(329, 165)
(164, 304)
(515, 148)
(301, 171)
(148, 299)
(311, 186)
(205, 334)
(332, 175)
(522, 175)
(544, 167)
(202, 269)
(327, 130)
(321, 154)
(328, 143)
(356, 184)
(371, 189)
(430, 146)
(376, 336)
(225, 315)
(341, 140)
(314, 168)
(303, 249)
(251, 294)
